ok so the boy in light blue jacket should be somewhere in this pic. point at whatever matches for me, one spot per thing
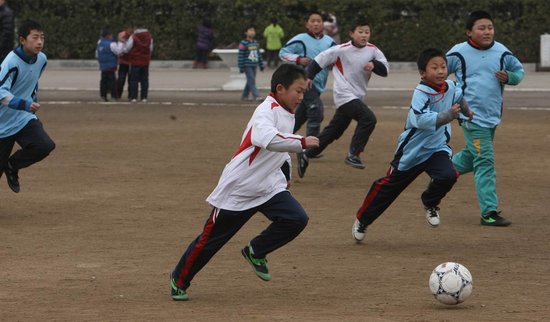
(19, 74)
(422, 147)
(482, 67)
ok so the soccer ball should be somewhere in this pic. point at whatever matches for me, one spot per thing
(451, 283)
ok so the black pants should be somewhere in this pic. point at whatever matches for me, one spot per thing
(107, 84)
(385, 190)
(273, 57)
(311, 109)
(139, 75)
(34, 142)
(353, 110)
(123, 70)
(288, 220)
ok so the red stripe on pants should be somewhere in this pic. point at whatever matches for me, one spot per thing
(198, 247)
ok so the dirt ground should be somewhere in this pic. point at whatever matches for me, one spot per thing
(100, 223)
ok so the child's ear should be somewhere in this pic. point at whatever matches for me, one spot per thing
(279, 88)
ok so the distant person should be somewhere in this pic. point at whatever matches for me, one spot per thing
(140, 48)
(483, 67)
(19, 124)
(273, 35)
(123, 61)
(7, 27)
(255, 180)
(250, 59)
(205, 36)
(354, 62)
(107, 51)
(302, 49)
(422, 147)
(330, 27)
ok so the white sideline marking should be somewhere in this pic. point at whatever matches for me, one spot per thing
(521, 108)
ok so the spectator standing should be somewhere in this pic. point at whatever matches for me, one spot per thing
(250, 58)
(140, 47)
(205, 36)
(107, 52)
(123, 60)
(273, 35)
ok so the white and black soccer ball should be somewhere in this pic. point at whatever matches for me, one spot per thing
(451, 283)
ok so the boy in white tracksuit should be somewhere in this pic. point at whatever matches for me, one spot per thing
(354, 62)
(256, 179)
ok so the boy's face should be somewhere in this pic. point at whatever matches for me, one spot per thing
(250, 33)
(482, 33)
(314, 24)
(291, 96)
(360, 35)
(436, 71)
(34, 42)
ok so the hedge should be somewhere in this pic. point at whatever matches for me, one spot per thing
(401, 28)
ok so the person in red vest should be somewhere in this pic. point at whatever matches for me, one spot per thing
(140, 47)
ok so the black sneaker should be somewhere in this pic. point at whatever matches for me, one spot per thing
(259, 265)
(303, 162)
(12, 178)
(493, 218)
(355, 162)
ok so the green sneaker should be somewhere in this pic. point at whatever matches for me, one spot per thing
(177, 293)
(493, 218)
(259, 265)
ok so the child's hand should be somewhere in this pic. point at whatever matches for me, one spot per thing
(312, 142)
(309, 84)
(455, 109)
(304, 61)
(502, 76)
(369, 67)
(34, 107)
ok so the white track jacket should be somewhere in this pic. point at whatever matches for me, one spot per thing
(254, 175)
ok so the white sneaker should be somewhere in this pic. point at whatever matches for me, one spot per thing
(133, 100)
(432, 216)
(358, 230)
(144, 100)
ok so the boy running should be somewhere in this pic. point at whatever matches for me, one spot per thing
(19, 74)
(255, 180)
(482, 67)
(422, 147)
(301, 50)
(354, 62)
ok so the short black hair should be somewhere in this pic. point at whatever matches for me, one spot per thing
(26, 27)
(248, 27)
(358, 22)
(475, 16)
(285, 75)
(311, 13)
(427, 54)
(106, 31)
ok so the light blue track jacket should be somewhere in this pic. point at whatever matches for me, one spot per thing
(307, 45)
(475, 69)
(421, 137)
(19, 74)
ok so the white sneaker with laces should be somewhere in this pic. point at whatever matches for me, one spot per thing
(432, 216)
(358, 230)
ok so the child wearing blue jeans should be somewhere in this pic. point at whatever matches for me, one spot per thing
(250, 59)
